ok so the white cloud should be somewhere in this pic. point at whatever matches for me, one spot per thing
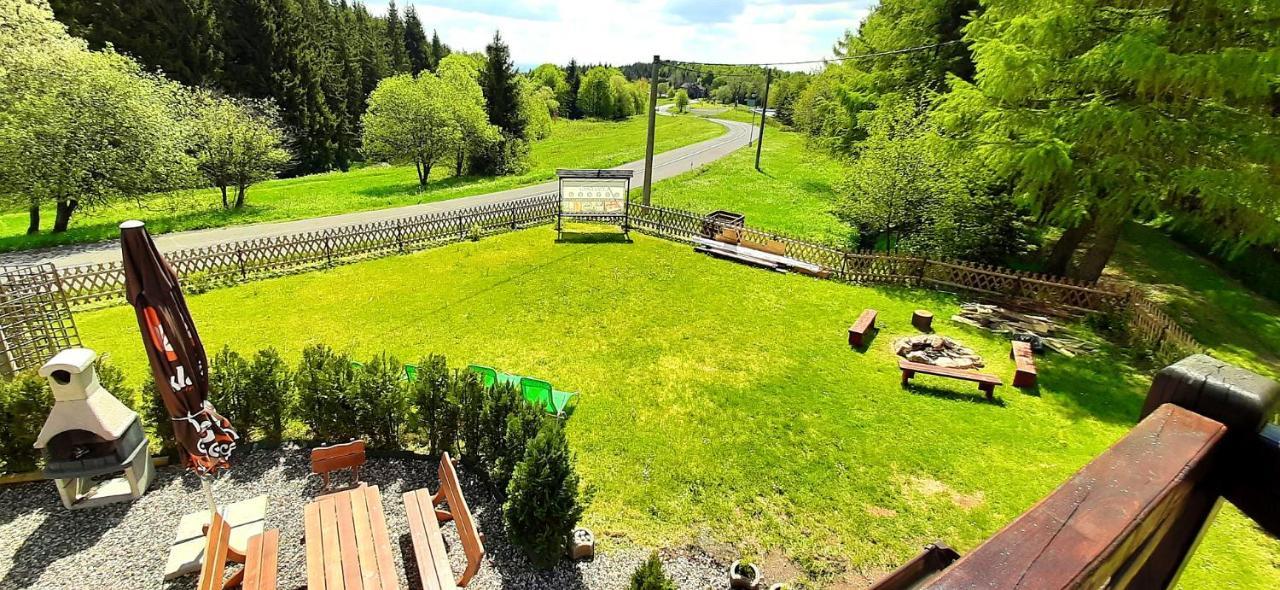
(626, 31)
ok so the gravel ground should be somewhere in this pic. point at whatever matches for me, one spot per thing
(125, 545)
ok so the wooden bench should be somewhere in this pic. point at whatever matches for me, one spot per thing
(738, 257)
(428, 541)
(986, 383)
(858, 331)
(1025, 360)
(259, 559)
(774, 247)
(325, 460)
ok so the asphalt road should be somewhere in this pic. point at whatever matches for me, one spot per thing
(665, 165)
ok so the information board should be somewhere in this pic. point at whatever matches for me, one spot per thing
(595, 196)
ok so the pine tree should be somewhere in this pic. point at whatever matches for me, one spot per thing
(398, 56)
(179, 37)
(500, 93)
(569, 107)
(298, 90)
(415, 41)
(439, 51)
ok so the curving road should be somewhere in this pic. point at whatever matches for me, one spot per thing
(665, 165)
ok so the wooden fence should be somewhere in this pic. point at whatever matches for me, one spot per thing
(1146, 321)
(247, 260)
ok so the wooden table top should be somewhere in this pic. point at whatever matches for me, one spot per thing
(348, 547)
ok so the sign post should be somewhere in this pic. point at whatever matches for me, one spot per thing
(600, 196)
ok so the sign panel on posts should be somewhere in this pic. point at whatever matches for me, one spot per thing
(594, 195)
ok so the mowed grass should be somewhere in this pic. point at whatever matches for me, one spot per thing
(572, 144)
(1235, 323)
(720, 403)
(794, 194)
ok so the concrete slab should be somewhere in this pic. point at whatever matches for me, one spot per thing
(246, 517)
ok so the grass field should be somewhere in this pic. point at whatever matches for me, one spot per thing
(572, 144)
(794, 194)
(721, 403)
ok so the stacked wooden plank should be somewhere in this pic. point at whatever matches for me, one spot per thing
(1023, 326)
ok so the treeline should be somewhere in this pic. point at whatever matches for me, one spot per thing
(317, 60)
(600, 92)
(1012, 135)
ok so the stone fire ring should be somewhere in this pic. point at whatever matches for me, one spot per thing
(939, 351)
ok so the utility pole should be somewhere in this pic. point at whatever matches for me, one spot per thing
(764, 111)
(653, 119)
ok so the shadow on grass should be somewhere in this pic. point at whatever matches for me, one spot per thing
(593, 237)
(947, 394)
(1098, 386)
(158, 221)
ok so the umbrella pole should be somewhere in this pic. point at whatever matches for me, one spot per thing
(208, 495)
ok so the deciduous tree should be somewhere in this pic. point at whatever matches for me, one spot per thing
(237, 143)
(409, 120)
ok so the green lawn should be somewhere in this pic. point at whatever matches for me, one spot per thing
(719, 402)
(794, 194)
(572, 144)
(1238, 325)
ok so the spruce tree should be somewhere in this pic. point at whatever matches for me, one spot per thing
(248, 34)
(179, 37)
(439, 51)
(500, 92)
(415, 41)
(397, 56)
(569, 108)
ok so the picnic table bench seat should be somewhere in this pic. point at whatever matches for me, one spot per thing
(1024, 359)
(327, 459)
(424, 517)
(347, 543)
(986, 383)
(858, 331)
(259, 559)
(770, 254)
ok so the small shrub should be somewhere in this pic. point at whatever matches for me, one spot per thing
(228, 391)
(322, 381)
(475, 232)
(542, 506)
(436, 405)
(471, 398)
(269, 389)
(197, 282)
(650, 576)
(379, 401)
(501, 401)
(523, 423)
(112, 379)
(25, 401)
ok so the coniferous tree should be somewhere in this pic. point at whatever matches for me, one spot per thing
(569, 107)
(248, 34)
(438, 52)
(397, 56)
(415, 41)
(500, 92)
(179, 37)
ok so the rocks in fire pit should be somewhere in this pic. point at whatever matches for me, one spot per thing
(939, 351)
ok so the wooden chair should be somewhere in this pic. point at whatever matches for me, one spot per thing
(325, 460)
(1025, 360)
(428, 541)
(986, 383)
(259, 559)
(858, 331)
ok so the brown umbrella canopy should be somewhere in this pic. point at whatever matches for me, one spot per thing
(177, 357)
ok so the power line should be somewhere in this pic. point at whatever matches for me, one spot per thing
(821, 61)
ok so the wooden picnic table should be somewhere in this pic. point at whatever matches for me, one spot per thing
(347, 543)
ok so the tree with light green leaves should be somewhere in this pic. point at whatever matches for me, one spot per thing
(551, 76)
(460, 73)
(237, 142)
(537, 103)
(596, 98)
(1105, 112)
(682, 100)
(410, 120)
(624, 96)
(80, 128)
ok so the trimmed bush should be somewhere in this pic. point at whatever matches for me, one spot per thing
(322, 380)
(542, 506)
(269, 389)
(25, 401)
(158, 416)
(379, 401)
(228, 391)
(523, 423)
(435, 403)
(112, 379)
(472, 397)
(650, 576)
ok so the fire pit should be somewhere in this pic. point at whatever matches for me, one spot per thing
(939, 351)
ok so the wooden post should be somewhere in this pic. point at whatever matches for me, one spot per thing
(764, 111)
(653, 120)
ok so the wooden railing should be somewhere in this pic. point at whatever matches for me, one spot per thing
(246, 260)
(1132, 517)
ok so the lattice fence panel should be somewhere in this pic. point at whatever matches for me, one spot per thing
(35, 319)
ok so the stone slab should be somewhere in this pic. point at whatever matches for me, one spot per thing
(246, 517)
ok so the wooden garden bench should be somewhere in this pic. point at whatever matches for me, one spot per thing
(259, 559)
(347, 543)
(428, 541)
(1025, 360)
(986, 383)
(325, 460)
(858, 331)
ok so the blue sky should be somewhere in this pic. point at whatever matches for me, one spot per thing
(625, 31)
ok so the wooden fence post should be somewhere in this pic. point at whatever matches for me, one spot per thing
(512, 210)
(399, 238)
(244, 274)
(328, 247)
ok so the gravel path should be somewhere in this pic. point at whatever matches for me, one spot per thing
(125, 545)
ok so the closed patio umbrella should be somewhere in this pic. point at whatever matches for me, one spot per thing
(178, 361)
